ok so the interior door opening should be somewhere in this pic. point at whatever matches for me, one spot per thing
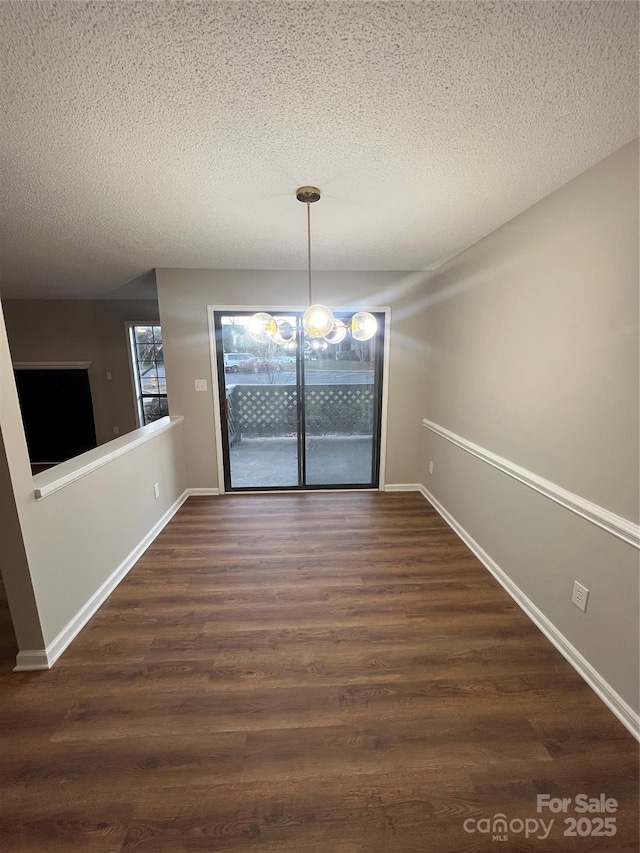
(57, 413)
(299, 415)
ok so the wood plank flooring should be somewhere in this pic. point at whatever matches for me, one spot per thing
(291, 673)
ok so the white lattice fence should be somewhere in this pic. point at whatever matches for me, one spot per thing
(330, 410)
(266, 410)
(339, 409)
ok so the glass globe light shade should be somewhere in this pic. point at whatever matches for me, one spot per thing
(363, 326)
(261, 327)
(285, 332)
(337, 334)
(317, 321)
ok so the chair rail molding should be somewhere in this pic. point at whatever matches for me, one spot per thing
(624, 529)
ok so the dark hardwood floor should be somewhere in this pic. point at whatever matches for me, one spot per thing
(8, 645)
(316, 672)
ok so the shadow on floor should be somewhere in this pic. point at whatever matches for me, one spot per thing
(8, 645)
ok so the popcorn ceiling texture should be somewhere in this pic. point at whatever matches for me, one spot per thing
(174, 134)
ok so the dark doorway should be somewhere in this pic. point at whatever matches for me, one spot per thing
(57, 413)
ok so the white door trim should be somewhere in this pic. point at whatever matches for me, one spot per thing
(275, 309)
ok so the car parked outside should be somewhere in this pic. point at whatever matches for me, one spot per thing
(253, 364)
(233, 360)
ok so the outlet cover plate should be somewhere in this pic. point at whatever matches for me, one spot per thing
(580, 596)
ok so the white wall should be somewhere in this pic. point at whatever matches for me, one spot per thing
(533, 355)
(183, 296)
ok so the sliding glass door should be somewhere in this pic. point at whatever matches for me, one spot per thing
(299, 415)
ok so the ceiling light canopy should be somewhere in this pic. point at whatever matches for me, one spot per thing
(318, 320)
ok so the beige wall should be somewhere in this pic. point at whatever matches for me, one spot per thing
(14, 465)
(183, 296)
(533, 354)
(83, 330)
(79, 535)
(58, 551)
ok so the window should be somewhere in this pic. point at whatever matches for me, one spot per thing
(150, 384)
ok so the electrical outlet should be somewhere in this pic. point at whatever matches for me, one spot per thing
(109, 376)
(116, 430)
(580, 596)
(430, 467)
(156, 490)
(200, 384)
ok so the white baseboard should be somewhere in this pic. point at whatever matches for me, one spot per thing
(196, 492)
(402, 487)
(623, 711)
(33, 659)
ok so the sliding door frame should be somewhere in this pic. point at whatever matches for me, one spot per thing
(217, 389)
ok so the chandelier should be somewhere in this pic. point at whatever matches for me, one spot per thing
(318, 320)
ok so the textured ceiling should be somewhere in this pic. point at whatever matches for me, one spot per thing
(151, 134)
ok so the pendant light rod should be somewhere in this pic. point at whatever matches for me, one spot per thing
(308, 195)
(309, 247)
(318, 321)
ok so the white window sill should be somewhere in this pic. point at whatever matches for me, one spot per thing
(53, 479)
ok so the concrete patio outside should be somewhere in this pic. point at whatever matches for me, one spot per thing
(267, 462)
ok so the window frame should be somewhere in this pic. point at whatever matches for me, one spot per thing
(138, 394)
(216, 344)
